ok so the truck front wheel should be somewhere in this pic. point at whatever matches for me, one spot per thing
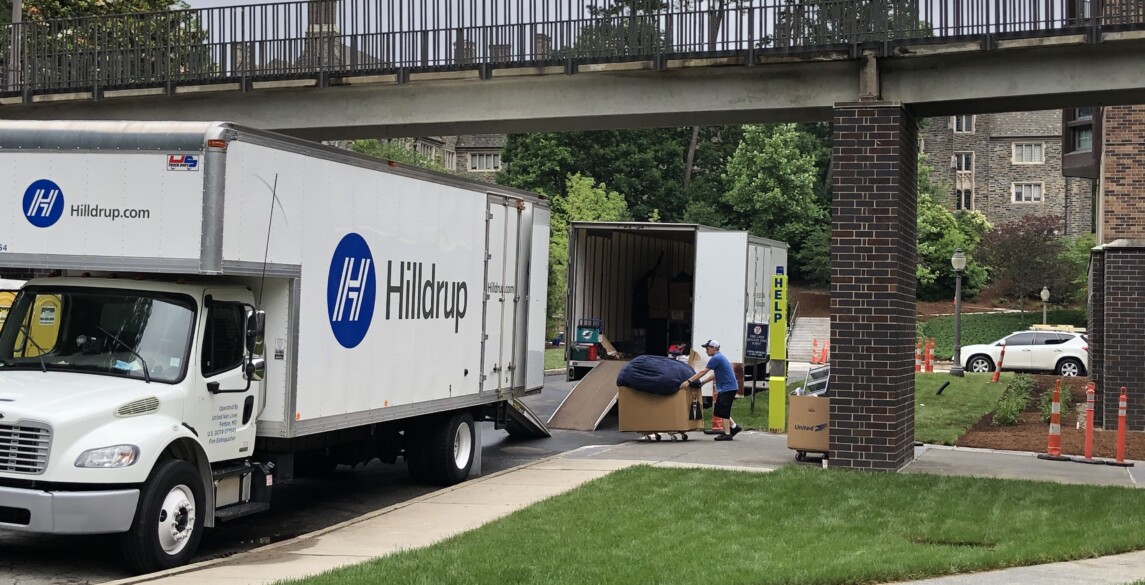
(168, 520)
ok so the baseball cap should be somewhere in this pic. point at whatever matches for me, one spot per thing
(711, 343)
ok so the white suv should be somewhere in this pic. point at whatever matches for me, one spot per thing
(1065, 354)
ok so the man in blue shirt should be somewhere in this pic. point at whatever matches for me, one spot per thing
(726, 387)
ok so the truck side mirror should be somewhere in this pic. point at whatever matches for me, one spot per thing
(255, 331)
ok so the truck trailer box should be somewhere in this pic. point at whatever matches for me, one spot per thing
(654, 285)
(239, 302)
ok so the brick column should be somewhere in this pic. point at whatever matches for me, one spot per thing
(1096, 334)
(1123, 339)
(873, 244)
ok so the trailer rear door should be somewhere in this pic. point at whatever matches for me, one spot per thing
(502, 246)
(720, 302)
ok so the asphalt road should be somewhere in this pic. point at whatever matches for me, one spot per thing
(298, 508)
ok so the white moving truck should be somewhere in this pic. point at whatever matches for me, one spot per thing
(231, 302)
(648, 286)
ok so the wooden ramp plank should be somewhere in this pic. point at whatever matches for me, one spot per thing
(590, 399)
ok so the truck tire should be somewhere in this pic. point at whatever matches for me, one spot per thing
(449, 445)
(168, 521)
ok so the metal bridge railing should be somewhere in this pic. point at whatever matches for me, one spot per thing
(327, 39)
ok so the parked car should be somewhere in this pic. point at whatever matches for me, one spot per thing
(1063, 353)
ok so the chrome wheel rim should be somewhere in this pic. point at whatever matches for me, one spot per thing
(462, 445)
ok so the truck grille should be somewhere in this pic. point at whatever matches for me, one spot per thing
(24, 449)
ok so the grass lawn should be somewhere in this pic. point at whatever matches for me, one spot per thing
(939, 419)
(943, 418)
(794, 525)
(555, 358)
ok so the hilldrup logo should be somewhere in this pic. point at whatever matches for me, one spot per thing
(350, 290)
(43, 203)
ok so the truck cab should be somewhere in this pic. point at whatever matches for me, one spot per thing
(120, 402)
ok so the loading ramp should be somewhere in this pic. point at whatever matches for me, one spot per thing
(590, 400)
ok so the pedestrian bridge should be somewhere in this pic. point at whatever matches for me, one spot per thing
(330, 69)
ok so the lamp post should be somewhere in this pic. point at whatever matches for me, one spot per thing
(1045, 299)
(958, 262)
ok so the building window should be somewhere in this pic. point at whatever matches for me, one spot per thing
(964, 200)
(1027, 192)
(964, 124)
(963, 161)
(428, 151)
(1083, 114)
(1029, 153)
(450, 160)
(484, 161)
(1082, 138)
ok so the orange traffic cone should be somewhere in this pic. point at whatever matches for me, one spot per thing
(918, 355)
(825, 357)
(1054, 445)
(814, 351)
(998, 369)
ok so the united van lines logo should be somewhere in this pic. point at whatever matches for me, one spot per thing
(182, 162)
(813, 428)
(43, 203)
(351, 290)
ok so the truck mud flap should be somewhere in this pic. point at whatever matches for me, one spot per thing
(524, 421)
(590, 400)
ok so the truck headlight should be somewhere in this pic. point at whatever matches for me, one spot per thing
(109, 457)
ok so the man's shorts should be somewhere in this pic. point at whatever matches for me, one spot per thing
(724, 402)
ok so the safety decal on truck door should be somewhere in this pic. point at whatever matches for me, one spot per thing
(350, 291)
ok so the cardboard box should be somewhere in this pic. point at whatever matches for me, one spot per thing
(644, 412)
(807, 423)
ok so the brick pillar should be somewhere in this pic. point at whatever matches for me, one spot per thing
(1123, 342)
(1096, 334)
(873, 286)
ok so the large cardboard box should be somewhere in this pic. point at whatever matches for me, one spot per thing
(807, 423)
(644, 412)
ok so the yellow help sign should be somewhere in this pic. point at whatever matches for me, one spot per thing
(778, 332)
(777, 384)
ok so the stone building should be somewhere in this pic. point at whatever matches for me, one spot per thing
(1007, 166)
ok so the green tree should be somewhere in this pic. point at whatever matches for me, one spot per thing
(1076, 258)
(398, 150)
(940, 232)
(145, 41)
(583, 200)
(773, 187)
(1026, 254)
(621, 27)
(645, 165)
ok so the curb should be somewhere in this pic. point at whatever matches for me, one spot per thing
(311, 535)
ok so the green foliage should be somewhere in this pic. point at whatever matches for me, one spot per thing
(990, 327)
(940, 232)
(773, 184)
(134, 47)
(645, 165)
(1047, 401)
(1026, 254)
(1076, 259)
(813, 258)
(1015, 398)
(399, 150)
(582, 200)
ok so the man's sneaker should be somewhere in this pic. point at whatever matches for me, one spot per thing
(736, 429)
(723, 437)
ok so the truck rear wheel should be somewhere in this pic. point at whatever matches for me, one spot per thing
(168, 520)
(449, 449)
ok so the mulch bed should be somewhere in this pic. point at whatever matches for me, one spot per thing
(1031, 434)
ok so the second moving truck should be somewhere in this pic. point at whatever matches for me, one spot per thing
(232, 303)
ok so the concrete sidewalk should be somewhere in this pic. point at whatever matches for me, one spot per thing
(442, 514)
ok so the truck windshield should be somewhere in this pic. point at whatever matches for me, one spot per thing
(99, 331)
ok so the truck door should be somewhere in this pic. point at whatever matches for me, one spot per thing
(502, 243)
(228, 402)
(720, 299)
